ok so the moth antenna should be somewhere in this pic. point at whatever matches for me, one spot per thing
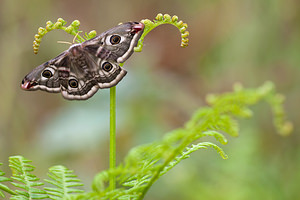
(75, 37)
(64, 42)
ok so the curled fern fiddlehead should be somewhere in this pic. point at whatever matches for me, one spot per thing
(60, 24)
(163, 19)
(243, 97)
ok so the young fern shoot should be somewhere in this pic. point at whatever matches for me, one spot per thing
(72, 29)
(163, 19)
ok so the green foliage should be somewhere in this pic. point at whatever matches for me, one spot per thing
(145, 164)
(60, 24)
(2, 186)
(25, 180)
(65, 182)
(163, 19)
(29, 187)
(236, 104)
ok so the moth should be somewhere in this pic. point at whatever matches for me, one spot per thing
(84, 68)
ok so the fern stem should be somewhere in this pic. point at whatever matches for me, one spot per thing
(112, 146)
(171, 157)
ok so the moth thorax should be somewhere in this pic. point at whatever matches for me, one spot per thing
(76, 49)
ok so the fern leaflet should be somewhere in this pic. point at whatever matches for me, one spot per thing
(64, 181)
(21, 171)
(2, 186)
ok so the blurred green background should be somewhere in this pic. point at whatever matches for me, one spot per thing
(247, 41)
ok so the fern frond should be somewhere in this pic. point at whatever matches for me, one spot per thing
(283, 126)
(29, 183)
(65, 183)
(146, 163)
(189, 150)
(72, 29)
(4, 187)
(159, 20)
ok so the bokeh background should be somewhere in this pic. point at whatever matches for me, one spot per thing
(247, 41)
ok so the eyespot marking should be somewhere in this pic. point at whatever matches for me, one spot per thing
(115, 39)
(73, 83)
(107, 66)
(47, 73)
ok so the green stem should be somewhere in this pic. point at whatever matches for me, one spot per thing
(112, 146)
